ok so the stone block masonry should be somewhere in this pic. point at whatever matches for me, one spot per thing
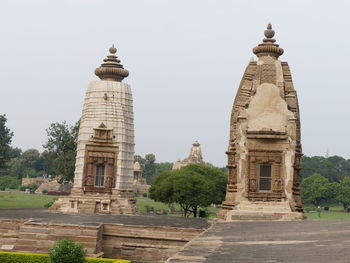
(147, 239)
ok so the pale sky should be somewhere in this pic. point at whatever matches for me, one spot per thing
(185, 58)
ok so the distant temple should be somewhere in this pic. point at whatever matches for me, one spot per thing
(140, 184)
(195, 157)
(264, 149)
(103, 181)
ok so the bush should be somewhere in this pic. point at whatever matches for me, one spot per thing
(145, 195)
(31, 187)
(308, 209)
(48, 204)
(45, 191)
(9, 257)
(57, 193)
(67, 251)
(9, 182)
(14, 257)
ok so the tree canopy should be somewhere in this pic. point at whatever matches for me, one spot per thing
(343, 194)
(317, 189)
(61, 149)
(334, 168)
(5, 144)
(191, 187)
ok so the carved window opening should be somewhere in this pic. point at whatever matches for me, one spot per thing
(265, 177)
(100, 175)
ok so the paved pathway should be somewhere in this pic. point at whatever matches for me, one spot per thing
(270, 242)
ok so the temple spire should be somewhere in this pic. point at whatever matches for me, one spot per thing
(111, 69)
(268, 47)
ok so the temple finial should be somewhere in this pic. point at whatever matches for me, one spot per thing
(268, 47)
(111, 69)
(269, 32)
(113, 50)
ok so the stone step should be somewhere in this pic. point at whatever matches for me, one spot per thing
(236, 215)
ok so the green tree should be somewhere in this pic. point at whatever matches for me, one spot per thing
(5, 142)
(334, 168)
(343, 195)
(15, 152)
(191, 187)
(61, 149)
(161, 167)
(316, 189)
(67, 251)
(28, 164)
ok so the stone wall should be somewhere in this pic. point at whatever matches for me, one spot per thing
(137, 243)
(145, 243)
(9, 233)
(38, 181)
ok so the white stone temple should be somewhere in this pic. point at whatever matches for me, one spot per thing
(195, 157)
(103, 181)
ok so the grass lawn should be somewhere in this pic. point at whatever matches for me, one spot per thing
(143, 202)
(328, 215)
(18, 199)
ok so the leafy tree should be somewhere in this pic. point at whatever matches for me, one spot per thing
(67, 251)
(316, 189)
(28, 164)
(343, 195)
(5, 141)
(192, 186)
(61, 149)
(15, 152)
(334, 168)
(161, 167)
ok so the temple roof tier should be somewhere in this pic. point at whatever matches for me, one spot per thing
(111, 69)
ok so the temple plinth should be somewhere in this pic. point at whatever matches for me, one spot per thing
(264, 147)
(103, 180)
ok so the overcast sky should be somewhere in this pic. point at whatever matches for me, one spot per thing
(185, 58)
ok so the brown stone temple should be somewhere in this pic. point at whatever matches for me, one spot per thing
(264, 147)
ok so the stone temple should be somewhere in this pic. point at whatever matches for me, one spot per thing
(195, 157)
(264, 147)
(105, 153)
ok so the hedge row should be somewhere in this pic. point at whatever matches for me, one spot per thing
(14, 257)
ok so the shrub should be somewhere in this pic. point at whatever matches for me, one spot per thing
(50, 203)
(57, 193)
(22, 188)
(67, 251)
(9, 182)
(14, 257)
(144, 194)
(308, 209)
(9, 257)
(45, 191)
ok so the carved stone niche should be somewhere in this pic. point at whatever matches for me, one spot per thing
(265, 182)
(100, 162)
